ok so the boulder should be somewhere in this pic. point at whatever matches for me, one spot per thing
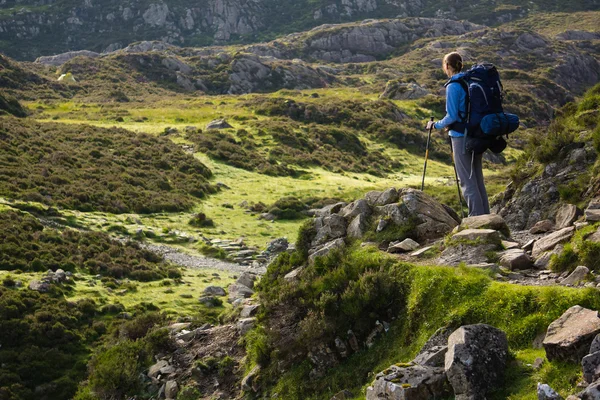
(542, 227)
(214, 291)
(549, 242)
(171, 390)
(218, 124)
(479, 236)
(432, 357)
(569, 337)
(577, 276)
(328, 210)
(566, 216)
(594, 237)
(325, 249)
(510, 245)
(592, 212)
(422, 251)
(154, 370)
(356, 208)
(433, 220)
(466, 253)
(238, 291)
(39, 286)
(210, 301)
(595, 346)
(249, 311)
(545, 392)
(475, 360)
(292, 275)
(590, 365)
(343, 395)
(328, 228)
(358, 226)
(247, 279)
(244, 325)
(405, 246)
(592, 392)
(416, 382)
(489, 221)
(515, 259)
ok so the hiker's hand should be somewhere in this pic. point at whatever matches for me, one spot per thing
(430, 125)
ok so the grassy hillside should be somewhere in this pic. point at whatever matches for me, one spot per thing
(87, 168)
(116, 298)
(353, 289)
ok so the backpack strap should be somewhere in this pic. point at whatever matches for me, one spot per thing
(461, 126)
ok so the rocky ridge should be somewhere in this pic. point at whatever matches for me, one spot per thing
(32, 30)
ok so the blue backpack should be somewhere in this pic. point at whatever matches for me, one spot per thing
(485, 121)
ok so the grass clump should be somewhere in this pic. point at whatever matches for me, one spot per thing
(213, 251)
(94, 169)
(200, 220)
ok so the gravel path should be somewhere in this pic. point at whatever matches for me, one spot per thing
(199, 262)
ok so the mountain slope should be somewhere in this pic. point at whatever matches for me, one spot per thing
(29, 29)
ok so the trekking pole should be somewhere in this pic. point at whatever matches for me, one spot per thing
(426, 155)
(462, 212)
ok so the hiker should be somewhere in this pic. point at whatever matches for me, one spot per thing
(469, 165)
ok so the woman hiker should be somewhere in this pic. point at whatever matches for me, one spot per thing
(469, 166)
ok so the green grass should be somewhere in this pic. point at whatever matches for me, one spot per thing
(434, 297)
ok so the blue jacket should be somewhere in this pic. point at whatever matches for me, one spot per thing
(456, 102)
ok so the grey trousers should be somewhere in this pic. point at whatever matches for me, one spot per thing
(469, 168)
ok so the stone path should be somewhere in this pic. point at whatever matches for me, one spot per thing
(199, 262)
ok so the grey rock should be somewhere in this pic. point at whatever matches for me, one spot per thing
(341, 347)
(481, 236)
(358, 226)
(156, 14)
(171, 390)
(567, 215)
(244, 325)
(247, 279)
(325, 249)
(569, 337)
(375, 198)
(488, 221)
(238, 291)
(60, 59)
(209, 301)
(475, 360)
(515, 259)
(249, 311)
(594, 237)
(578, 35)
(356, 208)
(343, 395)
(577, 276)
(328, 228)
(510, 245)
(405, 246)
(595, 346)
(38, 286)
(403, 91)
(592, 392)
(590, 365)
(412, 382)
(466, 253)
(422, 251)
(155, 369)
(214, 291)
(549, 242)
(433, 357)
(542, 227)
(218, 124)
(292, 275)
(381, 225)
(592, 212)
(545, 392)
(328, 210)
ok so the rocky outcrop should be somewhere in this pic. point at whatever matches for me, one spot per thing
(475, 360)
(569, 337)
(60, 59)
(416, 382)
(403, 91)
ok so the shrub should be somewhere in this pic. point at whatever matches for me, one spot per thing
(114, 371)
(200, 220)
(95, 169)
(213, 251)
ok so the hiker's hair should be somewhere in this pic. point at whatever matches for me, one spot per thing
(454, 61)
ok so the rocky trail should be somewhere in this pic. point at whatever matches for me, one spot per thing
(187, 260)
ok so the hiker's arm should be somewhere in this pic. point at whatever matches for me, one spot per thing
(452, 106)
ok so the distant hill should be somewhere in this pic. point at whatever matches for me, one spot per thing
(29, 29)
